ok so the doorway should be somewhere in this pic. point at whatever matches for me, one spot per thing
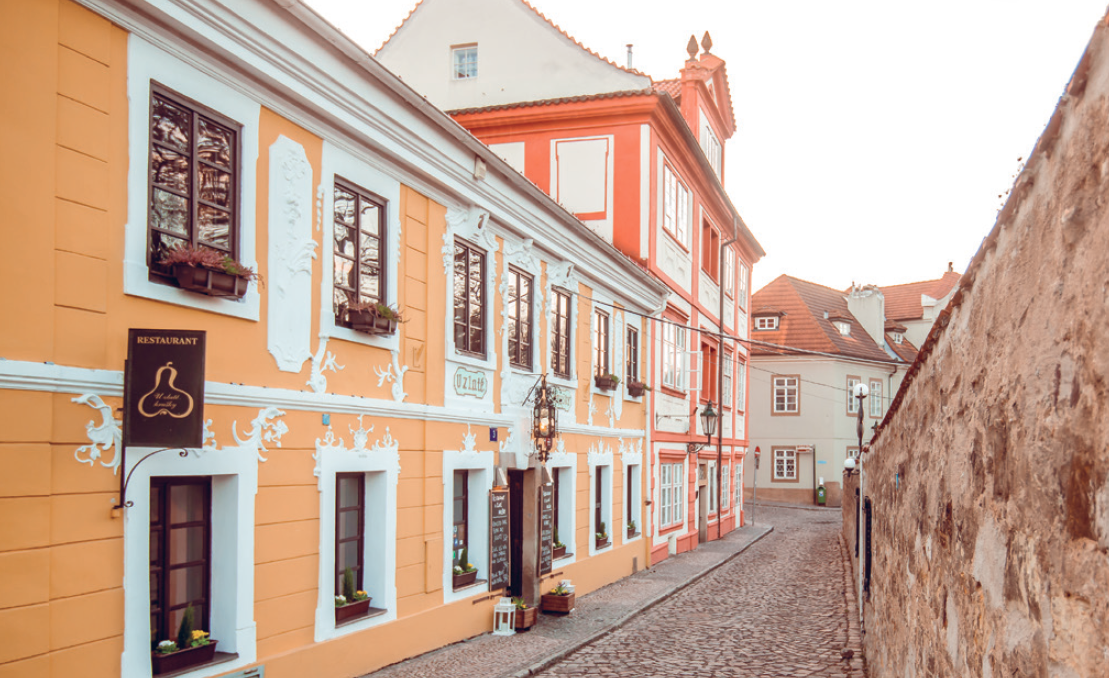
(516, 532)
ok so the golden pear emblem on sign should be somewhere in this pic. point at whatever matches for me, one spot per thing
(166, 399)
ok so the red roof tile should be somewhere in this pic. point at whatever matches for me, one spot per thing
(905, 350)
(903, 301)
(551, 102)
(671, 87)
(804, 325)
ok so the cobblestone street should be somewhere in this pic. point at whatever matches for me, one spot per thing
(777, 610)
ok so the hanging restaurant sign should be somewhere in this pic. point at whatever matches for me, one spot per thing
(163, 389)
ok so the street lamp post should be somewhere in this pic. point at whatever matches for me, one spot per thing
(861, 392)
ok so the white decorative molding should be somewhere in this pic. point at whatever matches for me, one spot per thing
(386, 445)
(320, 193)
(523, 254)
(291, 251)
(102, 437)
(262, 429)
(592, 409)
(322, 361)
(600, 454)
(469, 441)
(209, 443)
(396, 379)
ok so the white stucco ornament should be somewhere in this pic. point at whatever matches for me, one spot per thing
(322, 361)
(102, 437)
(262, 428)
(395, 378)
(387, 447)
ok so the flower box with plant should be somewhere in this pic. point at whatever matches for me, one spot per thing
(207, 271)
(559, 601)
(558, 549)
(606, 382)
(601, 537)
(631, 528)
(192, 647)
(373, 318)
(526, 616)
(464, 573)
(351, 603)
(636, 389)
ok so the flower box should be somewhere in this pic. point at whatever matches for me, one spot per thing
(606, 382)
(183, 659)
(601, 543)
(371, 322)
(526, 618)
(632, 532)
(464, 579)
(210, 282)
(636, 389)
(557, 604)
(352, 610)
(558, 552)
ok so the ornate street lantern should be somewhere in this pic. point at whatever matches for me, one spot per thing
(544, 423)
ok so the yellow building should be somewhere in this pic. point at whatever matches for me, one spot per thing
(141, 137)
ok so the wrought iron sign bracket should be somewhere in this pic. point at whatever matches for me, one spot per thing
(125, 481)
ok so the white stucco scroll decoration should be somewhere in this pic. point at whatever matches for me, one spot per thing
(630, 454)
(470, 223)
(599, 454)
(386, 446)
(102, 437)
(291, 251)
(322, 361)
(262, 429)
(395, 378)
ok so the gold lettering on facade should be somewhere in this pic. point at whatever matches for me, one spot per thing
(166, 399)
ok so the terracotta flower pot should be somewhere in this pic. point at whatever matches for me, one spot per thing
(352, 610)
(210, 282)
(182, 659)
(555, 604)
(601, 543)
(636, 389)
(526, 618)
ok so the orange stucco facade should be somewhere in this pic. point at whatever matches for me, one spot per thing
(66, 583)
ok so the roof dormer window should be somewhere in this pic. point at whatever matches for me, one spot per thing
(843, 327)
(766, 322)
(898, 337)
(464, 62)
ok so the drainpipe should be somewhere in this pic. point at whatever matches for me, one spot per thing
(720, 388)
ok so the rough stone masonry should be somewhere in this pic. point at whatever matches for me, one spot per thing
(988, 476)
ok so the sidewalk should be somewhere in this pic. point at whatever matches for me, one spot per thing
(595, 615)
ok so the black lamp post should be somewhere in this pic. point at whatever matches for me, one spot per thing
(709, 419)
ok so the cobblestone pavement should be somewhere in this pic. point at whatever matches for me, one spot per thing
(781, 609)
(772, 599)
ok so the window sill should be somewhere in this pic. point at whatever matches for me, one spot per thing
(371, 612)
(671, 391)
(564, 556)
(220, 658)
(477, 583)
(670, 528)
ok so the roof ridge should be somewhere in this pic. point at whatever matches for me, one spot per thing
(399, 26)
(552, 102)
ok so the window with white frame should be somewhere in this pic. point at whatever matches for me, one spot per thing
(560, 334)
(601, 362)
(712, 486)
(875, 398)
(469, 299)
(675, 206)
(464, 62)
(729, 272)
(467, 480)
(725, 477)
(786, 395)
(738, 470)
(519, 318)
(844, 327)
(673, 354)
(601, 503)
(358, 274)
(785, 464)
(744, 276)
(741, 387)
(562, 500)
(898, 337)
(631, 356)
(726, 396)
(852, 401)
(766, 322)
(671, 492)
(711, 146)
(631, 499)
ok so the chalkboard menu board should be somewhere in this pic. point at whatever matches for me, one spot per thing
(499, 570)
(546, 528)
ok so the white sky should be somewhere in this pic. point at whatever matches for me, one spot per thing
(874, 136)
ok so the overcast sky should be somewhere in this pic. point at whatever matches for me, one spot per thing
(874, 136)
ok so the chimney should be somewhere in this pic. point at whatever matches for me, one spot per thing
(630, 56)
(950, 267)
(868, 305)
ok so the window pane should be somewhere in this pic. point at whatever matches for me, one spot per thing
(186, 584)
(169, 169)
(369, 221)
(348, 555)
(169, 212)
(344, 241)
(348, 524)
(344, 206)
(186, 504)
(215, 186)
(215, 144)
(171, 124)
(214, 227)
(186, 544)
(344, 272)
(369, 285)
(370, 252)
(348, 492)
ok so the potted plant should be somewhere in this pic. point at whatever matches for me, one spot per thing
(526, 616)
(464, 573)
(192, 647)
(350, 603)
(373, 318)
(606, 382)
(631, 528)
(602, 537)
(558, 549)
(207, 271)
(636, 389)
(559, 601)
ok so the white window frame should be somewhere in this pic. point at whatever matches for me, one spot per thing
(673, 355)
(843, 327)
(711, 145)
(785, 455)
(147, 63)
(729, 271)
(741, 387)
(766, 322)
(382, 469)
(727, 365)
(711, 487)
(783, 385)
(605, 469)
(852, 401)
(737, 470)
(875, 398)
(567, 464)
(480, 482)
(671, 494)
(459, 54)
(676, 214)
(725, 477)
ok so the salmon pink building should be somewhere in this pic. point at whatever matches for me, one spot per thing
(641, 163)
